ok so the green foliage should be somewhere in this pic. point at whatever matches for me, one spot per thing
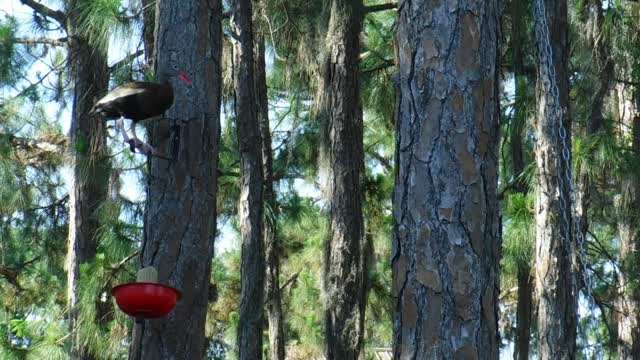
(377, 67)
(519, 235)
(33, 219)
(11, 59)
(103, 20)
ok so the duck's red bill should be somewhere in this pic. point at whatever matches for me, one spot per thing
(183, 76)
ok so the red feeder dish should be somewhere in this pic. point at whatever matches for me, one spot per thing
(146, 299)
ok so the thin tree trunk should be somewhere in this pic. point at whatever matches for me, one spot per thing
(89, 71)
(523, 315)
(446, 227)
(555, 282)
(525, 283)
(628, 303)
(181, 211)
(271, 241)
(251, 189)
(342, 163)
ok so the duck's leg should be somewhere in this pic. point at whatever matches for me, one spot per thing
(143, 146)
(125, 137)
(121, 128)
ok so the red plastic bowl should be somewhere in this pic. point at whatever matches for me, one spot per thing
(147, 300)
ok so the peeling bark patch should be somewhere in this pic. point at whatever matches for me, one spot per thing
(465, 158)
(467, 52)
(463, 285)
(440, 85)
(430, 48)
(445, 213)
(467, 352)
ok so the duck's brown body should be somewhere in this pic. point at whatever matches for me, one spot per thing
(136, 101)
(139, 100)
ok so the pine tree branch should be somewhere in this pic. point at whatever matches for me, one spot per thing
(380, 7)
(385, 163)
(384, 65)
(60, 202)
(127, 59)
(31, 151)
(42, 41)
(44, 10)
(293, 278)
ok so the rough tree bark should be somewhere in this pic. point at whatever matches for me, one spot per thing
(554, 273)
(628, 303)
(342, 163)
(181, 212)
(271, 241)
(446, 228)
(91, 166)
(249, 343)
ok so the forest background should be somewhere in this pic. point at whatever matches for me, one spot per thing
(37, 167)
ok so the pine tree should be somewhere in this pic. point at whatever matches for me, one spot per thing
(250, 204)
(446, 229)
(341, 167)
(554, 276)
(272, 245)
(88, 68)
(180, 211)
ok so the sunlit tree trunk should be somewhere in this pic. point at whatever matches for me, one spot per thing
(91, 166)
(554, 273)
(342, 163)
(249, 343)
(446, 228)
(180, 215)
(271, 241)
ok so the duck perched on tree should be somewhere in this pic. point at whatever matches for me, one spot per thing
(139, 100)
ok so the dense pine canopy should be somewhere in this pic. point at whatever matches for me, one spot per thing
(339, 180)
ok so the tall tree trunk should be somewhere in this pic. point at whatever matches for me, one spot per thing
(525, 281)
(251, 189)
(271, 241)
(554, 273)
(89, 71)
(446, 227)
(342, 163)
(181, 199)
(628, 225)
